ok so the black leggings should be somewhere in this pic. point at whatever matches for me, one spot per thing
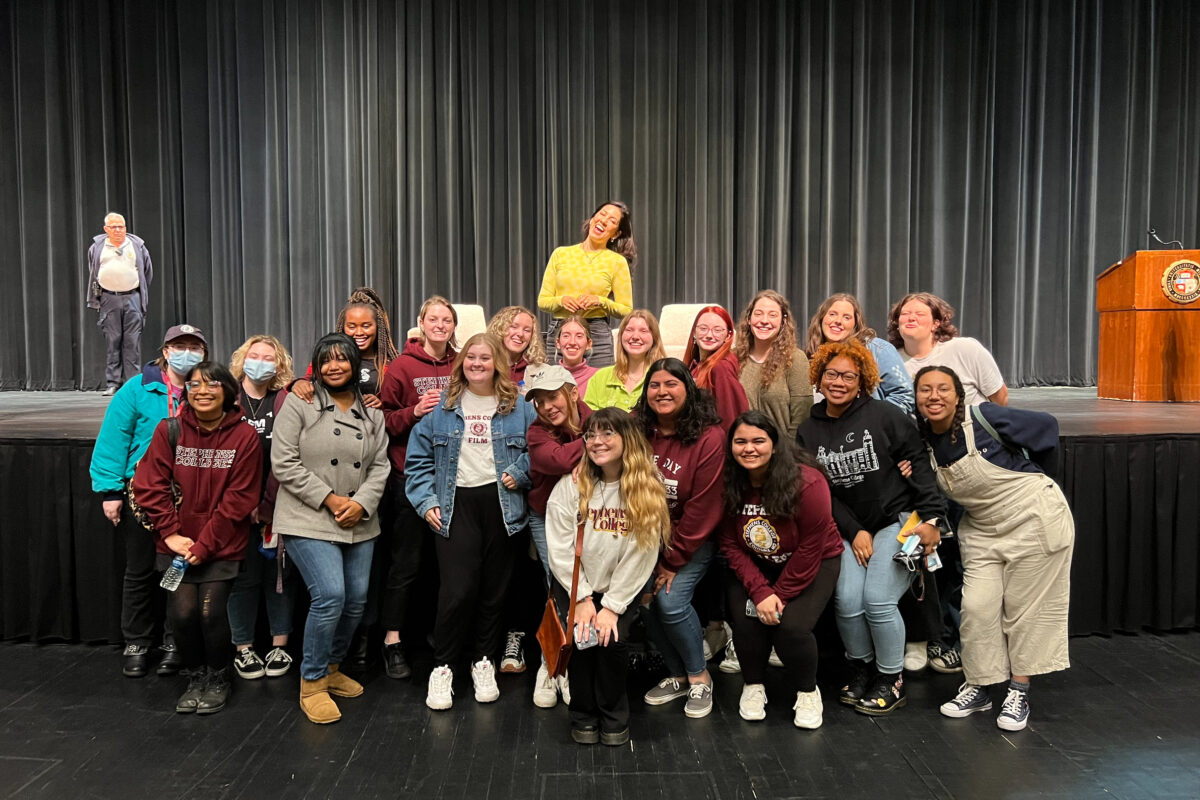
(198, 614)
(792, 638)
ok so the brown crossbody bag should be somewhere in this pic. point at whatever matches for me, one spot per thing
(557, 644)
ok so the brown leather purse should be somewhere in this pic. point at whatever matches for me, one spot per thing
(557, 644)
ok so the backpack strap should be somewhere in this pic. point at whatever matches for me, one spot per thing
(173, 428)
(977, 416)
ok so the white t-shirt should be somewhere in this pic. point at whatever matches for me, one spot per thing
(476, 459)
(118, 267)
(969, 359)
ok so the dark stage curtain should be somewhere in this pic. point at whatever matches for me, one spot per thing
(275, 154)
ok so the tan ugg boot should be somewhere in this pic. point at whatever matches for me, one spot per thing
(316, 703)
(341, 684)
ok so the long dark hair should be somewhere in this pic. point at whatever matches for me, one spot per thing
(215, 371)
(960, 412)
(623, 242)
(699, 409)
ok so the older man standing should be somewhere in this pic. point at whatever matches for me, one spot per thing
(119, 274)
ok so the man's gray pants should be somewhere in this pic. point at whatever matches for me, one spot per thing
(121, 321)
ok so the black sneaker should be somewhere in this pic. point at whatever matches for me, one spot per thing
(172, 660)
(133, 660)
(248, 665)
(885, 695)
(861, 675)
(394, 664)
(946, 660)
(216, 692)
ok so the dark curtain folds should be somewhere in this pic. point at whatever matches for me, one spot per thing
(275, 154)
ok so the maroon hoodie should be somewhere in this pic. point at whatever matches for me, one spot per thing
(552, 454)
(410, 375)
(726, 388)
(219, 474)
(694, 475)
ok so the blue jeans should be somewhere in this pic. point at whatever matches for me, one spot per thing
(258, 575)
(537, 532)
(671, 621)
(865, 604)
(337, 576)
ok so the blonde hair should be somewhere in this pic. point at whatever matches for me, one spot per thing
(283, 361)
(573, 424)
(438, 300)
(656, 351)
(641, 484)
(502, 382)
(535, 351)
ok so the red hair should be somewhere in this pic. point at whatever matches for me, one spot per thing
(704, 366)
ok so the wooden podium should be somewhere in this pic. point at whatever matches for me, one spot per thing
(1149, 308)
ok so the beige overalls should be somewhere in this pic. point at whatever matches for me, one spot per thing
(1016, 539)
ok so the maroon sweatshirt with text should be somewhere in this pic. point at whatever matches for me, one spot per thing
(411, 374)
(694, 477)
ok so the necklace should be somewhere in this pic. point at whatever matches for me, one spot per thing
(253, 409)
(604, 493)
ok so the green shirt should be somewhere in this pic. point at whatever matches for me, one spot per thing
(605, 390)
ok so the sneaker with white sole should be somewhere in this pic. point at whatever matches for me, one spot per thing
(514, 653)
(277, 662)
(441, 688)
(809, 710)
(564, 686)
(946, 660)
(248, 665)
(774, 660)
(969, 700)
(545, 690)
(753, 704)
(916, 656)
(730, 663)
(716, 635)
(699, 701)
(1014, 711)
(668, 689)
(483, 675)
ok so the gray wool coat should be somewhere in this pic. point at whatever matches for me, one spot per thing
(317, 449)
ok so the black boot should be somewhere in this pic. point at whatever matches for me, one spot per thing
(133, 660)
(216, 692)
(171, 658)
(196, 677)
(356, 659)
(862, 674)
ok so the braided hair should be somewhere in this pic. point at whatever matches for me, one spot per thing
(385, 345)
(960, 412)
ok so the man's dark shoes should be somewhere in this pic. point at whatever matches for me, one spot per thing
(133, 660)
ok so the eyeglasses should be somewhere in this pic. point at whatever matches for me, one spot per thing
(600, 436)
(833, 374)
(704, 330)
(186, 348)
(195, 385)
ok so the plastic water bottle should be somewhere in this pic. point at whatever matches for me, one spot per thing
(521, 388)
(174, 574)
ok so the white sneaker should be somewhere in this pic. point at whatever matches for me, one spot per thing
(809, 709)
(564, 687)
(753, 704)
(483, 675)
(730, 663)
(774, 660)
(514, 653)
(916, 656)
(715, 637)
(545, 690)
(441, 689)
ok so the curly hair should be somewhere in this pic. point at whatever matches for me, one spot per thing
(699, 408)
(502, 382)
(641, 484)
(960, 412)
(693, 354)
(856, 351)
(656, 351)
(535, 351)
(283, 361)
(815, 337)
(783, 346)
(943, 312)
(385, 345)
(623, 242)
(430, 302)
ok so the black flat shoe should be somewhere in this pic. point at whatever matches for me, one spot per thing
(615, 738)
(394, 665)
(133, 660)
(588, 735)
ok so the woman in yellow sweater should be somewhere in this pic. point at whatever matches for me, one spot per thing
(592, 279)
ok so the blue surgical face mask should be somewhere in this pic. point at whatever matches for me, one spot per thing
(182, 361)
(257, 370)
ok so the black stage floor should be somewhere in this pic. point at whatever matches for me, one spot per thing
(1121, 723)
(77, 415)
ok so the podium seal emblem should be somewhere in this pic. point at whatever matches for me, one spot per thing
(1181, 282)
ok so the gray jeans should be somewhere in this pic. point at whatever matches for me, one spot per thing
(121, 321)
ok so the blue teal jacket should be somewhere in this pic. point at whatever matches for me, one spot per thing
(133, 413)
(894, 384)
(431, 464)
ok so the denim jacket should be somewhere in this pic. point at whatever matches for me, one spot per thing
(431, 464)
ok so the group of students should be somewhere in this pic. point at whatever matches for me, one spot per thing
(631, 475)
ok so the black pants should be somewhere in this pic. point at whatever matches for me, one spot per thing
(526, 597)
(792, 638)
(121, 321)
(475, 564)
(598, 675)
(141, 599)
(405, 537)
(199, 615)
